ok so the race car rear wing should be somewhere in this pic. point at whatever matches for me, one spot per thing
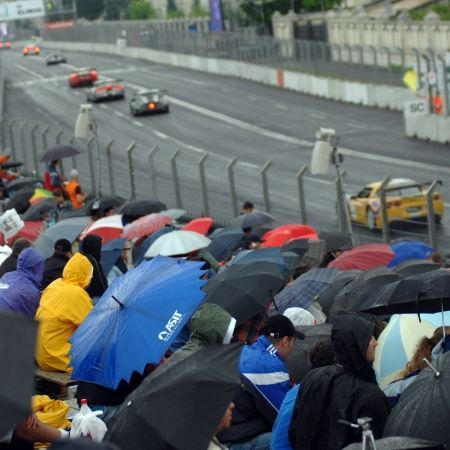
(421, 186)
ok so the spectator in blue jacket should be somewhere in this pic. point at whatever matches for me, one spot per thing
(265, 382)
(20, 289)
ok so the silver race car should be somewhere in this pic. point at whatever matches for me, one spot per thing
(149, 101)
(55, 58)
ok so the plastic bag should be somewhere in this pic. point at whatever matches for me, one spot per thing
(87, 424)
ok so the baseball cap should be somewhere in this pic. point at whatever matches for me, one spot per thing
(299, 316)
(280, 326)
(74, 173)
(63, 246)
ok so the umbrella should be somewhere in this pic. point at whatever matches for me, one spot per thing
(58, 152)
(225, 242)
(173, 213)
(298, 359)
(253, 219)
(136, 320)
(299, 246)
(397, 344)
(20, 183)
(353, 295)
(31, 230)
(146, 244)
(82, 444)
(108, 228)
(111, 252)
(314, 256)
(414, 267)
(17, 344)
(304, 290)
(364, 257)
(11, 165)
(245, 291)
(40, 195)
(406, 250)
(177, 243)
(336, 240)
(400, 443)
(35, 212)
(20, 201)
(145, 225)
(281, 235)
(68, 229)
(181, 407)
(142, 207)
(422, 411)
(201, 225)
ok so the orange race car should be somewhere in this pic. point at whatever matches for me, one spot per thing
(31, 49)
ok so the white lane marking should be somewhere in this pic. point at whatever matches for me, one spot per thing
(120, 114)
(160, 134)
(277, 105)
(76, 93)
(174, 77)
(31, 72)
(357, 125)
(252, 98)
(102, 105)
(139, 124)
(318, 116)
(226, 90)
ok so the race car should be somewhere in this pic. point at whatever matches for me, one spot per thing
(149, 101)
(31, 49)
(405, 200)
(55, 58)
(106, 90)
(5, 45)
(83, 77)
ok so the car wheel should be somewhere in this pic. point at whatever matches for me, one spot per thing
(371, 220)
(167, 109)
(437, 219)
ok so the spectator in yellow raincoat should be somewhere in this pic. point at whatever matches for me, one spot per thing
(64, 305)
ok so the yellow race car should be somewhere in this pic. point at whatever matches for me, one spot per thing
(405, 198)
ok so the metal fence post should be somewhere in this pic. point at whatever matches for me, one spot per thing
(201, 168)
(23, 145)
(383, 206)
(301, 194)
(91, 164)
(34, 148)
(112, 187)
(233, 195)
(431, 217)
(11, 139)
(176, 181)
(44, 138)
(152, 171)
(265, 185)
(74, 160)
(340, 206)
(129, 151)
(2, 133)
(444, 77)
(59, 136)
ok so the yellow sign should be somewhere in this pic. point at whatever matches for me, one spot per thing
(410, 79)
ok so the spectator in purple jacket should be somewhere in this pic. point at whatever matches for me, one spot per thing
(20, 289)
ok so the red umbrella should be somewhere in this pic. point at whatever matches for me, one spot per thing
(109, 228)
(145, 225)
(200, 225)
(364, 257)
(283, 234)
(30, 231)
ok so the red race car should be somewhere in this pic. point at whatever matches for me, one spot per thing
(31, 49)
(5, 45)
(83, 77)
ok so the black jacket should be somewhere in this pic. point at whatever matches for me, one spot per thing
(252, 415)
(9, 264)
(91, 247)
(346, 390)
(53, 268)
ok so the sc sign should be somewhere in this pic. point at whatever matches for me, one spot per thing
(416, 108)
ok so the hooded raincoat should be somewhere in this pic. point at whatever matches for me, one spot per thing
(64, 305)
(346, 390)
(91, 247)
(20, 289)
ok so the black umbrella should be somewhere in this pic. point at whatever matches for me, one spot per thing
(113, 201)
(326, 298)
(298, 361)
(180, 407)
(34, 212)
(400, 443)
(225, 242)
(351, 297)
(11, 165)
(253, 219)
(142, 207)
(414, 267)
(245, 290)
(82, 444)
(58, 152)
(298, 246)
(335, 240)
(422, 411)
(425, 293)
(17, 344)
(21, 201)
(19, 183)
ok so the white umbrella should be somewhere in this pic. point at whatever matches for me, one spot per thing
(173, 213)
(177, 243)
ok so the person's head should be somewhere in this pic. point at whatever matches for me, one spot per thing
(282, 333)
(60, 196)
(300, 270)
(31, 264)
(321, 354)
(78, 271)
(423, 350)
(110, 211)
(436, 258)
(92, 245)
(55, 162)
(74, 174)
(247, 207)
(63, 247)
(225, 422)
(20, 245)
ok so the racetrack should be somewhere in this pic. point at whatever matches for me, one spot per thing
(226, 117)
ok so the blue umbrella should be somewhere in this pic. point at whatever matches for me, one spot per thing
(111, 252)
(146, 244)
(406, 250)
(304, 290)
(136, 320)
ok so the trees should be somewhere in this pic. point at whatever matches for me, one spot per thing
(90, 9)
(197, 10)
(172, 10)
(115, 9)
(141, 10)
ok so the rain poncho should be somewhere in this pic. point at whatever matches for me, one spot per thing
(19, 290)
(64, 305)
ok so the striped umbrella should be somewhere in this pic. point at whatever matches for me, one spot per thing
(108, 228)
(145, 225)
(39, 195)
(364, 257)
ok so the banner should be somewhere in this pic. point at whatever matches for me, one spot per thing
(10, 223)
(21, 10)
(215, 15)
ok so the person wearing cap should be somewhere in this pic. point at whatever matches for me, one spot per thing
(73, 188)
(54, 265)
(265, 383)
